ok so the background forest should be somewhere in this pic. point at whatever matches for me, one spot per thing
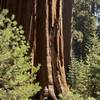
(84, 71)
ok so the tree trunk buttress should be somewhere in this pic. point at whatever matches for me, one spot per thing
(50, 47)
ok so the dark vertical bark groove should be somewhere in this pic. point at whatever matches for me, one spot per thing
(67, 22)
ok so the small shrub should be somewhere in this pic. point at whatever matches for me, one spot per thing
(73, 96)
(17, 75)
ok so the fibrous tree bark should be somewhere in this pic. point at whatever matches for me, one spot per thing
(43, 24)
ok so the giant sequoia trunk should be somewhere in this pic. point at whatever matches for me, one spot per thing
(49, 47)
(43, 25)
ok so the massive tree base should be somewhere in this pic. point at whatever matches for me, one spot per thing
(43, 25)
